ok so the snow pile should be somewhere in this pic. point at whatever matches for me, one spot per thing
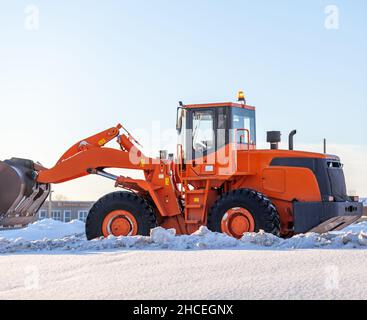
(162, 236)
(50, 235)
(45, 229)
(354, 236)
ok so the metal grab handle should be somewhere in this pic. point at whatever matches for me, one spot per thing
(180, 165)
(248, 136)
(248, 145)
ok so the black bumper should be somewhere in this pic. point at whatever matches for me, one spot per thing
(309, 215)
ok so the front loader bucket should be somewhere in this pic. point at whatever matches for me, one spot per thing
(21, 195)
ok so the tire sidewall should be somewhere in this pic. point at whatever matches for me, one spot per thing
(245, 199)
(113, 202)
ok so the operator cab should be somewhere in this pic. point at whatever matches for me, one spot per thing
(206, 128)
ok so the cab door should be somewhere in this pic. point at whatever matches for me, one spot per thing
(203, 132)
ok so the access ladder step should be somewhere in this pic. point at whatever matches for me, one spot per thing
(198, 191)
(192, 221)
(194, 206)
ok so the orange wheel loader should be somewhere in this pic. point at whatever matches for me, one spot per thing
(217, 179)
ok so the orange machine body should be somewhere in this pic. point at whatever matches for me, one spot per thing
(183, 190)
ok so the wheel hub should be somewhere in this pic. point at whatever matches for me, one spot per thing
(120, 226)
(237, 221)
(119, 223)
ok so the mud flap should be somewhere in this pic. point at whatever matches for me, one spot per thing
(21, 195)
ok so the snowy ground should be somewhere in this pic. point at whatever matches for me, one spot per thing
(55, 236)
(53, 260)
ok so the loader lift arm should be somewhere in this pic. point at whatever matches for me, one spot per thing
(95, 141)
(88, 156)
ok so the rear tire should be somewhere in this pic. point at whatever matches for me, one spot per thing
(120, 214)
(252, 210)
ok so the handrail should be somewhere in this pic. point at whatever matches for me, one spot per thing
(248, 145)
(180, 166)
(248, 136)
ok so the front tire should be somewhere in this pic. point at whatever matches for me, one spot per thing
(120, 214)
(243, 210)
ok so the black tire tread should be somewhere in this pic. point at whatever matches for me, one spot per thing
(100, 209)
(265, 214)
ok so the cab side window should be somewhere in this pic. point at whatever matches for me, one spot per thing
(243, 119)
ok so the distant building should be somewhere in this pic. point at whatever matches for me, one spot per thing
(65, 211)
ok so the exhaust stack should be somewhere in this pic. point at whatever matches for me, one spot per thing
(291, 139)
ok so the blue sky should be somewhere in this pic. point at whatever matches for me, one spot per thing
(92, 64)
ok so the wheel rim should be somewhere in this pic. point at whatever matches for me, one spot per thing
(119, 223)
(237, 221)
